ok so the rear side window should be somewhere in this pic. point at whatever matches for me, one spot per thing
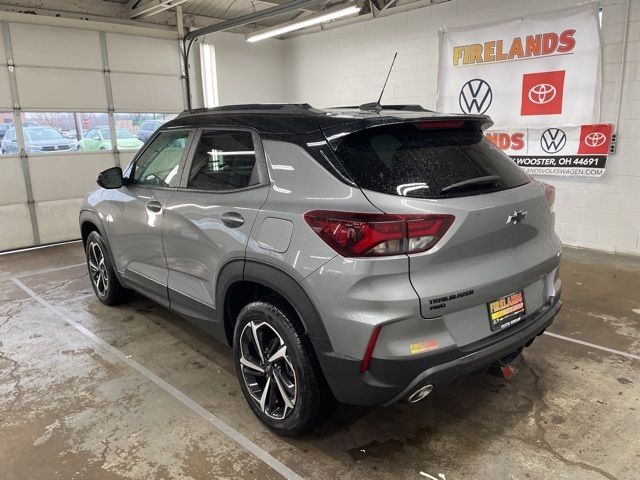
(224, 160)
(420, 160)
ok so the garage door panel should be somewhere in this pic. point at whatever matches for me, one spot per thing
(58, 220)
(146, 93)
(12, 187)
(19, 232)
(5, 90)
(142, 54)
(55, 177)
(49, 88)
(55, 46)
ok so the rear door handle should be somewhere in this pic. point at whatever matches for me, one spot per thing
(232, 219)
(154, 206)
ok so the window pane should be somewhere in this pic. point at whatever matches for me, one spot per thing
(224, 161)
(159, 163)
(50, 132)
(89, 126)
(133, 129)
(44, 132)
(6, 126)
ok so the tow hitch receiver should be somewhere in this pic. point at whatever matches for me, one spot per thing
(503, 368)
(503, 371)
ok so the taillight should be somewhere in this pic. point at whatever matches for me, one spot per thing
(372, 234)
(550, 193)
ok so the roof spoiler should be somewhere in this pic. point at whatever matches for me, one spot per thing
(405, 108)
(335, 133)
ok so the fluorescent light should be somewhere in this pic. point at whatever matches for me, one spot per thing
(321, 17)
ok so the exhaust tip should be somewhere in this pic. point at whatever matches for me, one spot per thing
(420, 394)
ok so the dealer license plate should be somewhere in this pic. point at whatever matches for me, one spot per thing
(506, 311)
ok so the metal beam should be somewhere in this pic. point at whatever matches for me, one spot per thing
(389, 4)
(315, 8)
(154, 7)
(192, 21)
(89, 7)
(343, 22)
(253, 17)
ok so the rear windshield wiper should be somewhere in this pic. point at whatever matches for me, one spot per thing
(488, 181)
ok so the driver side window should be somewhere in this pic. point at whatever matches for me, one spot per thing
(159, 163)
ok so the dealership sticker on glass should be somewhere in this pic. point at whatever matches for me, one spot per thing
(506, 311)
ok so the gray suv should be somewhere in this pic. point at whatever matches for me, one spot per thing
(364, 255)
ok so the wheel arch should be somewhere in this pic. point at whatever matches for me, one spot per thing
(243, 281)
(89, 222)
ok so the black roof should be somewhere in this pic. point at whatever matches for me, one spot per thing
(298, 118)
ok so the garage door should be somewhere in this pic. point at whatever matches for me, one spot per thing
(74, 101)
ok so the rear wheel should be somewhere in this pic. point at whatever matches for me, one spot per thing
(101, 272)
(276, 369)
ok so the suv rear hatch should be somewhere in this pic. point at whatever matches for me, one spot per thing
(502, 241)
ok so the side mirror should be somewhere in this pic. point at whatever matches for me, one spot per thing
(110, 178)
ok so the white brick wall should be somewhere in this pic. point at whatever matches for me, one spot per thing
(347, 65)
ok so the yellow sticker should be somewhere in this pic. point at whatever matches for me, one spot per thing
(425, 346)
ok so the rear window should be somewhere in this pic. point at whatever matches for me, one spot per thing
(413, 160)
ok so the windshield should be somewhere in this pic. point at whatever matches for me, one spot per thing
(41, 133)
(120, 133)
(418, 160)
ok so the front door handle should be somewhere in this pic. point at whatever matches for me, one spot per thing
(232, 219)
(154, 206)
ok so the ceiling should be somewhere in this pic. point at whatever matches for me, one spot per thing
(196, 13)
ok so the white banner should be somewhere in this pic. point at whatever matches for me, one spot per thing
(538, 70)
(575, 150)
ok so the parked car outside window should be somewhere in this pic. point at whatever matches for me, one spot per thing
(3, 129)
(37, 139)
(147, 129)
(100, 139)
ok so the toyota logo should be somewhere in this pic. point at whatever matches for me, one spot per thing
(595, 139)
(553, 140)
(475, 96)
(542, 93)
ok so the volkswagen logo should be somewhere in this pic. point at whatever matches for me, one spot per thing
(553, 140)
(475, 96)
(595, 139)
(542, 93)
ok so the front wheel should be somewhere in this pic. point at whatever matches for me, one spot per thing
(101, 272)
(277, 371)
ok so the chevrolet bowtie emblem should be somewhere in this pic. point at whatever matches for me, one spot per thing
(517, 217)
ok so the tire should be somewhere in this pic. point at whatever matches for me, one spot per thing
(104, 281)
(294, 373)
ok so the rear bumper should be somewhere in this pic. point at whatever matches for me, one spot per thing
(389, 381)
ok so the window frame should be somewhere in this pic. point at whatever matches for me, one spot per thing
(129, 172)
(261, 161)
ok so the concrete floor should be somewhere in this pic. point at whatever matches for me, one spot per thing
(146, 403)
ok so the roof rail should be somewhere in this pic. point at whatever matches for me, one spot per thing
(253, 106)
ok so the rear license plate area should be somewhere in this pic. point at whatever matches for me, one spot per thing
(506, 311)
